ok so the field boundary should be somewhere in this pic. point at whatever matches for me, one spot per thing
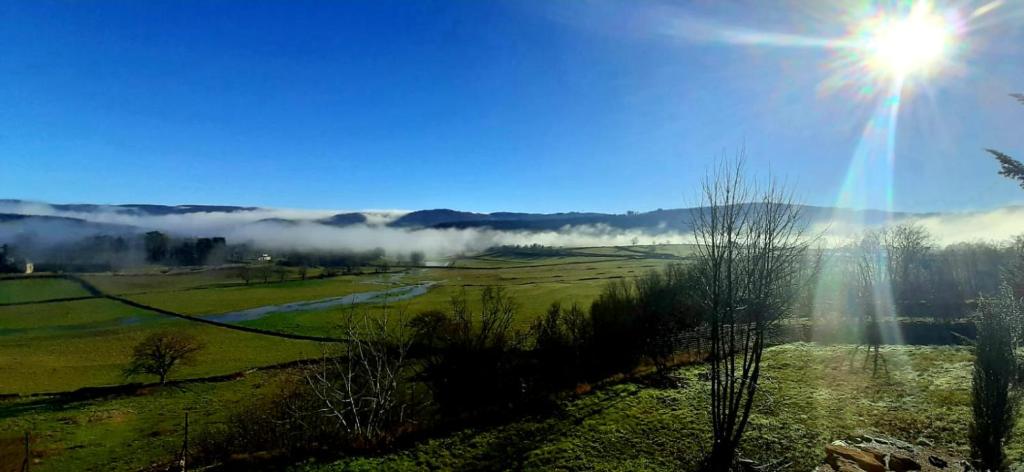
(50, 300)
(101, 391)
(246, 329)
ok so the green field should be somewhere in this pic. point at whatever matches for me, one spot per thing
(38, 289)
(125, 433)
(65, 345)
(811, 394)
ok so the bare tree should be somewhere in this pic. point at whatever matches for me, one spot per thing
(907, 248)
(363, 387)
(867, 277)
(750, 245)
(245, 273)
(159, 352)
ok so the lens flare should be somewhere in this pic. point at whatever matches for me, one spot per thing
(916, 43)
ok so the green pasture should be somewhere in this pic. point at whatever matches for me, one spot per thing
(36, 289)
(120, 434)
(68, 345)
(221, 300)
(178, 280)
(811, 394)
(534, 289)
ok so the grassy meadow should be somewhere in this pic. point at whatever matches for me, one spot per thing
(811, 394)
(85, 343)
(38, 289)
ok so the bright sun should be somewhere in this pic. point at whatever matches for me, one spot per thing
(912, 44)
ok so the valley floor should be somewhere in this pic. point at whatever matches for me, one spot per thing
(811, 395)
(56, 337)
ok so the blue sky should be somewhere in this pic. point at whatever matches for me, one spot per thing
(486, 106)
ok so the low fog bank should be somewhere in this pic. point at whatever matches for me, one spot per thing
(299, 230)
(994, 226)
(433, 242)
(188, 224)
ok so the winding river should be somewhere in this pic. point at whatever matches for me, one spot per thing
(396, 294)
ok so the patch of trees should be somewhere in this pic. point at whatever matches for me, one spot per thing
(8, 261)
(92, 253)
(526, 250)
(334, 262)
(160, 248)
(902, 272)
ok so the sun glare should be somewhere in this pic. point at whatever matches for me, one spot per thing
(916, 43)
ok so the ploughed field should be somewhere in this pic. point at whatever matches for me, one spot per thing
(55, 336)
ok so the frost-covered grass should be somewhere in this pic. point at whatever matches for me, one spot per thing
(811, 395)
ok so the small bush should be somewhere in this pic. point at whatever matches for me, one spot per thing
(561, 338)
(642, 319)
(474, 361)
(993, 402)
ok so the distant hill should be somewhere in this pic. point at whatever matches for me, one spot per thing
(132, 209)
(657, 221)
(12, 223)
(445, 218)
(344, 219)
(654, 221)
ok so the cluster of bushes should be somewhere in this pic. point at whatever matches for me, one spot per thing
(479, 363)
(465, 364)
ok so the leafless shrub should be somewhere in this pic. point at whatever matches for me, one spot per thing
(750, 247)
(363, 385)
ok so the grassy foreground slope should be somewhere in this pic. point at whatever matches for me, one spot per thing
(811, 395)
(127, 433)
(63, 346)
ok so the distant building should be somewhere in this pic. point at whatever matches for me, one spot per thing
(29, 267)
(264, 258)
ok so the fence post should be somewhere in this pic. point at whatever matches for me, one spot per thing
(28, 453)
(184, 447)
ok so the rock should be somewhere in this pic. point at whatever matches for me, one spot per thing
(864, 460)
(925, 442)
(870, 453)
(901, 462)
(937, 462)
(844, 465)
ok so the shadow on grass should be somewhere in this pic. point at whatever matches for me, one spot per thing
(515, 441)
